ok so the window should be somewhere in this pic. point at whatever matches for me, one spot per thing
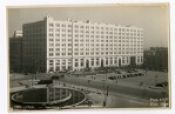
(69, 53)
(51, 24)
(51, 44)
(76, 64)
(50, 54)
(51, 69)
(123, 60)
(76, 26)
(63, 45)
(69, 30)
(57, 54)
(57, 44)
(50, 30)
(69, 44)
(111, 61)
(141, 59)
(76, 44)
(106, 61)
(63, 30)
(63, 40)
(51, 34)
(50, 61)
(57, 39)
(50, 49)
(63, 35)
(75, 53)
(63, 54)
(92, 62)
(138, 59)
(57, 68)
(58, 25)
(97, 61)
(115, 61)
(63, 25)
(82, 62)
(69, 26)
(51, 40)
(58, 62)
(58, 30)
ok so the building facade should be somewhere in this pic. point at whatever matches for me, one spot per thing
(73, 45)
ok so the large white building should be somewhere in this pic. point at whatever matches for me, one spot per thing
(53, 45)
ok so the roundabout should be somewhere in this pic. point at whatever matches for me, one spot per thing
(47, 97)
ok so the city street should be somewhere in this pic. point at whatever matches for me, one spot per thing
(121, 93)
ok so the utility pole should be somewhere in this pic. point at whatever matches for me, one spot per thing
(106, 73)
(107, 87)
(105, 96)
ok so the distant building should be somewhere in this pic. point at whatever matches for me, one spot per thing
(16, 51)
(53, 45)
(156, 58)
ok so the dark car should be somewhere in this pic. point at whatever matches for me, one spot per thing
(45, 82)
(159, 85)
(112, 77)
(163, 84)
(57, 77)
(118, 72)
(140, 74)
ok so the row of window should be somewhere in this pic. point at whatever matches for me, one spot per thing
(93, 53)
(96, 48)
(93, 61)
(93, 27)
(92, 36)
(93, 49)
(127, 45)
(96, 40)
(69, 31)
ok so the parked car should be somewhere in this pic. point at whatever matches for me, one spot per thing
(45, 82)
(112, 78)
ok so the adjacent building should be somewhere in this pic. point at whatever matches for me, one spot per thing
(54, 45)
(16, 49)
(156, 58)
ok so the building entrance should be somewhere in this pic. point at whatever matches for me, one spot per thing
(87, 63)
(119, 62)
(133, 61)
(102, 65)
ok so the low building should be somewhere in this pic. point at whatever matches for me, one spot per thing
(156, 58)
(16, 49)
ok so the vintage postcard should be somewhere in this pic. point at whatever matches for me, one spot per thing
(88, 56)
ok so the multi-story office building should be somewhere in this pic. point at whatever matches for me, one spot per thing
(16, 49)
(52, 45)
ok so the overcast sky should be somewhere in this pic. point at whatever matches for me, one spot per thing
(153, 19)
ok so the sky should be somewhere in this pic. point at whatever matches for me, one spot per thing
(154, 19)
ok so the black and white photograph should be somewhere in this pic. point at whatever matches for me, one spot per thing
(88, 57)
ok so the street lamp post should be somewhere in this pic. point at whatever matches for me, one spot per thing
(106, 74)
(105, 96)
(107, 87)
